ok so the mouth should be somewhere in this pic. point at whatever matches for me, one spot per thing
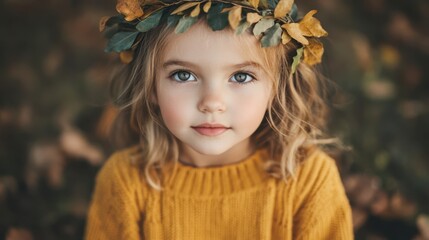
(210, 130)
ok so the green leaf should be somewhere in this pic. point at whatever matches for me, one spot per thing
(272, 36)
(185, 23)
(262, 26)
(218, 21)
(272, 4)
(244, 25)
(150, 22)
(115, 19)
(121, 41)
(297, 59)
(294, 13)
(216, 8)
(172, 20)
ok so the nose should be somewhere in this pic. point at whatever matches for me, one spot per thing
(212, 100)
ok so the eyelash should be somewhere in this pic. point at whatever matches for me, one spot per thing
(171, 76)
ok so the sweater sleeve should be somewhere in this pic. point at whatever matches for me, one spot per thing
(321, 209)
(115, 210)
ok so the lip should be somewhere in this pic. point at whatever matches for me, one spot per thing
(210, 129)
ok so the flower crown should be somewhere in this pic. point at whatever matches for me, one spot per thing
(273, 21)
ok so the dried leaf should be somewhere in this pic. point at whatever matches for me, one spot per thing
(313, 52)
(253, 17)
(262, 26)
(207, 6)
(234, 16)
(184, 7)
(295, 32)
(283, 7)
(423, 225)
(244, 25)
(311, 27)
(130, 9)
(19, 233)
(272, 36)
(102, 23)
(106, 121)
(285, 38)
(196, 11)
(126, 56)
(296, 60)
(75, 144)
(254, 3)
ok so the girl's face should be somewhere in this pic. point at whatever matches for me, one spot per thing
(211, 92)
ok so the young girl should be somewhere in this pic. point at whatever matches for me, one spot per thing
(226, 108)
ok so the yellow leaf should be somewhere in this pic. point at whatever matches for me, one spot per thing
(126, 56)
(102, 23)
(184, 7)
(234, 16)
(253, 17)
(254, 3)
(130, 9)
(226, 9)
(313, 52)
(295, 32)
(207, 6)
(285, 38)
(311, 27)
(196, 11)
(283, 7)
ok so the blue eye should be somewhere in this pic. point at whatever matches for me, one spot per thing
(242, 78)
(183, 76)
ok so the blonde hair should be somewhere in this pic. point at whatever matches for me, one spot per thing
(291, 126)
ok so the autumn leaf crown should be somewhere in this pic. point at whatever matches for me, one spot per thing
(273, 21)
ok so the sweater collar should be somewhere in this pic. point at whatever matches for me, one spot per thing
(188, 180)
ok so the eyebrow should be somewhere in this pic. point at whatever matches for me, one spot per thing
(173, 62)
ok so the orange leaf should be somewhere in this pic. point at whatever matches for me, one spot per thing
(207, 6)
(295, 32)
(285, 38)
(184, 7)
(253, 17)
(102, 23)
(130, 9)
(234, 16)
(283, 7)
(313, 52)
(254, 3)
(196, 11)
(311, 27)
(126, 56)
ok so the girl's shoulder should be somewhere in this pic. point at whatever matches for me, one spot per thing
(318, 177)
(121, 169)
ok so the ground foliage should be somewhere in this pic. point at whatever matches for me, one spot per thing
(54, 113)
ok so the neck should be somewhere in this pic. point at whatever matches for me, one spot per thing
(190, 157)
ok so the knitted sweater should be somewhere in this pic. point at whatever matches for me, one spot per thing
(237, 202)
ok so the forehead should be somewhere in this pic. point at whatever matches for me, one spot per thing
(202, 45)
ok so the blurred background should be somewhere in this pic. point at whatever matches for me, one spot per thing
(55, 113)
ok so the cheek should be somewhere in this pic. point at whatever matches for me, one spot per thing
(251, 108)
(174, 106)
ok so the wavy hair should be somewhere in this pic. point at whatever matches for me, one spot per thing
(291, 127)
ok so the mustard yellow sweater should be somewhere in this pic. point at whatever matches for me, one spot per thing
(233, 202)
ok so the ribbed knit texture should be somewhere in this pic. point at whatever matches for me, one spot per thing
(233, 202)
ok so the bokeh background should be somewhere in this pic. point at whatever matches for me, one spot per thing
(55, 113)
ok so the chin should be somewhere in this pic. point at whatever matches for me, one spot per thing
(211, 150)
